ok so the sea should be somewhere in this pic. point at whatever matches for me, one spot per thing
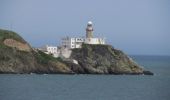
(92, 87)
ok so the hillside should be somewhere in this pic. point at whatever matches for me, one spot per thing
(17, 56)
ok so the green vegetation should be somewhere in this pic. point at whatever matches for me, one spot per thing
(5, 34)
(2, 46)
(45, 58)
(13, 60)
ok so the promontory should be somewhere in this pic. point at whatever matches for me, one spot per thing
(18, 57)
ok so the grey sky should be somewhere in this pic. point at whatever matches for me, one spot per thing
(134, 26)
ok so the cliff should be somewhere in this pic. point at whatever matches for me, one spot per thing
(104, 59)
(17, 56)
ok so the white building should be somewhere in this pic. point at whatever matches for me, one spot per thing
(76, 42)
(53, 50)
(69, 43)
(72, 42)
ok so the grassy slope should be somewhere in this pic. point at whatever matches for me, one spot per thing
(5, 34)
(16, 61)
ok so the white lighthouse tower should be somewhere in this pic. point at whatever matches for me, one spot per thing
(89, 30)
(90, 39)
(76, 42)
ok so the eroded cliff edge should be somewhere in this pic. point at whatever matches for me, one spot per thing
(104, 59)
(17, 56)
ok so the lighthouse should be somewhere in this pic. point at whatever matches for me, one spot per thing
(89, 30)
(76, 42)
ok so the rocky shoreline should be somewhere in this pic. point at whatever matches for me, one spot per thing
(18, 57)
(42, 73)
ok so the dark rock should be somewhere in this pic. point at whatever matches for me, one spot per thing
(104, 59)
(148, 73)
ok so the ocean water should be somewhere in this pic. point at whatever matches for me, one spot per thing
(92, 87)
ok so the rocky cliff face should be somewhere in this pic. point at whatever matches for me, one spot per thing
(104, 59)
(17, 56)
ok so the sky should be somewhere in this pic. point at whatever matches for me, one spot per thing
(138, 27)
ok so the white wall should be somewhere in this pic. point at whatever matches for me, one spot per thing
(51, 49)
(71, 43)
(94, 41)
